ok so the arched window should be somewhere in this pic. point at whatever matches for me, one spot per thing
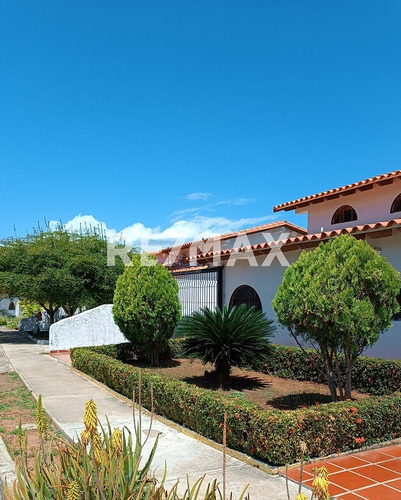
(11, 307)
(396, 206)
(245, 294)
(344, 214)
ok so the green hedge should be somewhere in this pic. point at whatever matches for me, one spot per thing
(373, 375)
(270, 435)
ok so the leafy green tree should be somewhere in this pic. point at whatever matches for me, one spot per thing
(28, 308)
(58, 269)
(338, 298)
(226, 338)
(146, 306)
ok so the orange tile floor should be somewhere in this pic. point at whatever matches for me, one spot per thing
(368, 475)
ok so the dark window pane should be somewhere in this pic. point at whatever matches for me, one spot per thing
(245, 294)
(344, 214)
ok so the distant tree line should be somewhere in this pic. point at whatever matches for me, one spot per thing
(59, 269)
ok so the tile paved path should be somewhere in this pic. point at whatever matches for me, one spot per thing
(367, 475)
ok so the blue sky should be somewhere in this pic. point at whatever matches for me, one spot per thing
(190, 117)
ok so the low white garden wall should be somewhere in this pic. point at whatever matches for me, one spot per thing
(89, 328)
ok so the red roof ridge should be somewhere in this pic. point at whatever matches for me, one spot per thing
(306, 200)
(304, 238)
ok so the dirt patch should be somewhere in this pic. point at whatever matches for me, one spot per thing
(264, 390)
(17, 402)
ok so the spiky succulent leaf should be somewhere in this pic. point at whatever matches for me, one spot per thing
(237, 336)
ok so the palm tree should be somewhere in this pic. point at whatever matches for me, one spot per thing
(236, 337)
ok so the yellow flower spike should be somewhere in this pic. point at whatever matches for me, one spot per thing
(85, 437)
(303, 447)
(320, 484)
(323, 472)
(42, 424)
(73, 491)
(90, 417)
(117, 440)
(97, 446)
(301, 496)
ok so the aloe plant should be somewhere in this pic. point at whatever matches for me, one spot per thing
(103, 464)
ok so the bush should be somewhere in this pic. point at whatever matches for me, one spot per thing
(175, 349)
(373, 375)
(9, 321)
(338, 297)
(226, 338)
(270, 435)
(146, 307)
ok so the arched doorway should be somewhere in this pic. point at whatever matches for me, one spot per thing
(245, 294)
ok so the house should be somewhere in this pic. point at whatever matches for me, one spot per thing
(247, 266)
(9, 306)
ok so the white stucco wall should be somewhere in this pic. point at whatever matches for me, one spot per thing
(266, 280)
(371, 206)
(276, 233)
(389, 345)
(89, 328)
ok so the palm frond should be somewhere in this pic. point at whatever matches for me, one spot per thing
(238, 336)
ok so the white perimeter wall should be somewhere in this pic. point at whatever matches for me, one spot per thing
(89, 328)
(266, 280)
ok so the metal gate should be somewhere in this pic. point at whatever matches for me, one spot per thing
(197, 289)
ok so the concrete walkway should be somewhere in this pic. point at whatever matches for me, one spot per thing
(65, 393)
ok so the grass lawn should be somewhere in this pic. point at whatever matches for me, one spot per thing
(17, 402)
(264, 390)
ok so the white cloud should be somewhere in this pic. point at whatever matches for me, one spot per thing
(198, 196)
(236, 201)
(155, 238)
(80, 222)
(191, 212)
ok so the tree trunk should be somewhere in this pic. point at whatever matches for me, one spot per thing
(349, 364)
(339, 377)
(348, 377)
(223, 370)
(51, 312)
(70, 310)
(329, 374)
(154, 351)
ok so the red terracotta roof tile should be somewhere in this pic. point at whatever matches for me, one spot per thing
(226, 236)
(302, 239)
(189, 268)
(307, 200)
